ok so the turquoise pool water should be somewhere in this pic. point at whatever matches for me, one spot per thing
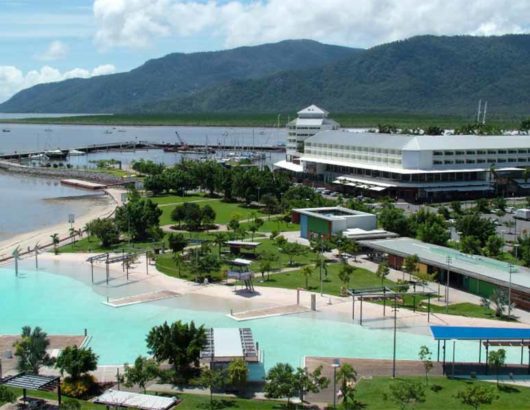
(63, 305)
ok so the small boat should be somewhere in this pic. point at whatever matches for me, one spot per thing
(6, 130)
(48, 130)
(108, 132)
(39, 157)
(121, 130)
(75, 153)
(56, 154)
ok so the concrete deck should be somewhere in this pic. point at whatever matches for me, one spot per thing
(7, 349)
(142, 298)
(269, 312)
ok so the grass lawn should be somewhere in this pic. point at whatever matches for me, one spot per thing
(224, 211)
(192, 402)
(371, 393)
(275, 224)
(331, 285)
(165, 200)
(92, 244)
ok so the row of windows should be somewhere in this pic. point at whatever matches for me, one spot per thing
(481, 161)
(366, 158)
(354, 148)
(481, 152)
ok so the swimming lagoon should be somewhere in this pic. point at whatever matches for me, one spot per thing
(64, 304)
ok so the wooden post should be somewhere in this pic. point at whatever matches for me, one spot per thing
(107, 268)
(361, 314)
(384, 301)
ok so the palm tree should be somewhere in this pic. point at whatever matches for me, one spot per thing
(31, 350)
(347, 377)
(382, 271)
(345, 275)
(55, 242)
(307, 271)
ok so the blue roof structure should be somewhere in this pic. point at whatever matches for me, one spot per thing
(479, 333)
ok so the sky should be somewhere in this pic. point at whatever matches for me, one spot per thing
(51, 40)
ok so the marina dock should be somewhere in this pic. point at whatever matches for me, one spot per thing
(144, 145)
(79, 183)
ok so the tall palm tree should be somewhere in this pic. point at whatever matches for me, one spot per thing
(55, 241)
(219, 239)
(347, 377)
(307, 271)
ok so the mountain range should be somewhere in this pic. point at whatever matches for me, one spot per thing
(424, 74)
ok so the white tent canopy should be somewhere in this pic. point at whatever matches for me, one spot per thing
(135, 400)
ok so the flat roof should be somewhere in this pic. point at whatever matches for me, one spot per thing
(475, 266)
(420, 142)
(479, 333)
(135, 400)
(290, 166)
(242, 244)
(227, 342)
(330, 213)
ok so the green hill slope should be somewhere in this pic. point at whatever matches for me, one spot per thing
(173, 76)
(443, 75)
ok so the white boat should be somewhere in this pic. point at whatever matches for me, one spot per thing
(55, 154)
(39, 157)
(75, 153)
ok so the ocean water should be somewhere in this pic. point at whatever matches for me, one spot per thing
(29, 137)
(30, 203)
(61, 300)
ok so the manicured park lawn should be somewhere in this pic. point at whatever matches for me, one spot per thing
(192, 402)
(331, 285)
(275, 224)
(92, 244)
(189, 402)
(224, 211)
(167, 200)
(371, 393)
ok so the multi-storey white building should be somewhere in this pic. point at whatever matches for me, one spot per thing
(418, 166)
(310, 121)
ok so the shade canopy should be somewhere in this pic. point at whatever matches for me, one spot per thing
(479, 333)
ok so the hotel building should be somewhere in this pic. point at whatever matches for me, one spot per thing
(415, 167)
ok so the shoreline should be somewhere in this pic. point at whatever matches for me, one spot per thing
(42, 235)
(267, 297)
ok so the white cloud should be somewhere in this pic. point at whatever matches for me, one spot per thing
(57, 50)
(137, 23)
(13, 80)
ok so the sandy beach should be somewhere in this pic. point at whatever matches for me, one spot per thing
(267, 297)
(42, 236)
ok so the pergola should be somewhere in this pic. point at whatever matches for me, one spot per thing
(237, 246)
(33, 382)
(486, 336)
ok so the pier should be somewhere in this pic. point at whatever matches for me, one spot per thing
(139, 145)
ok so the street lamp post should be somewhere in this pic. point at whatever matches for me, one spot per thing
(395, 335)
(511, 269)
(321, 262)
(448, 260)
(335, 365)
